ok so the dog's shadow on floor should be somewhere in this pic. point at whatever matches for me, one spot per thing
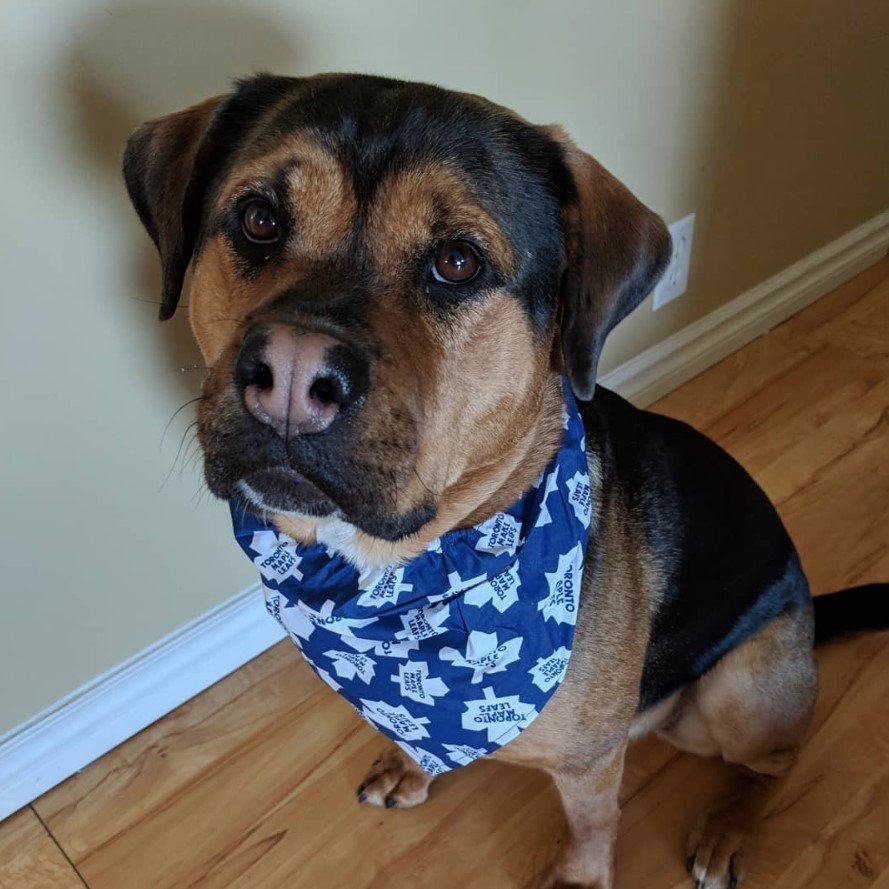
(129, 63)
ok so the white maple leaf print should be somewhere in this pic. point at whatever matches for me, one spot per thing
(484, 654)
(580, 496)
(500, 534)
(564, 588)
(294, 620)
(548, 671)
(552, 482)
(502, 590)
(276, 558)
(425, 622)
(382, 586)
(463, 754)
(415, 683)
(350, 664)
(502, 718)
(384, 648)
(456, 583)
(399, 720)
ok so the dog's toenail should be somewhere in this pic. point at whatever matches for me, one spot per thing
(362, 797)
(390, 802)
(689, 863)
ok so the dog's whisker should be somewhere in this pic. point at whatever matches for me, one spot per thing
(420, 480)
(176, 414)
(178, 454)
(192, 454)
(153, 302)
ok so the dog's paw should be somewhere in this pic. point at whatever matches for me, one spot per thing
(568, 873)
(555, 880)
(394, 780)
(718, 849)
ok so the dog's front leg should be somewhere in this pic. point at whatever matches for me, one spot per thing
(590, 798)
(394, 779)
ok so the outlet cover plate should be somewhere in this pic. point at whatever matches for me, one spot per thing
(675, 279)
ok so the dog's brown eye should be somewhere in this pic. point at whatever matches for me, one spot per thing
(456, 263)
(259, 223)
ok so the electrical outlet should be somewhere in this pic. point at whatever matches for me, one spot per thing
(675, 279)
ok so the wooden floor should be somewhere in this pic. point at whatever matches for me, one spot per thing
(252, 783)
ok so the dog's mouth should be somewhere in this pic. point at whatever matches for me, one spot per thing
(282, 490)
(313, 476)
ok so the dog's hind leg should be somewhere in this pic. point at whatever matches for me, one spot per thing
(752, 708)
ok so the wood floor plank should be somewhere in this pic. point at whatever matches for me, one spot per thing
(252, 783)
(167, 758)
(720, 389)
(29, 859)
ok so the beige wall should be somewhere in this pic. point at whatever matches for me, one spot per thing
(769, 119)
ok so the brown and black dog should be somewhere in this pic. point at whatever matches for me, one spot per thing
(446, 263)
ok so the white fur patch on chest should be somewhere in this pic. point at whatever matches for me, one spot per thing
(342, 538)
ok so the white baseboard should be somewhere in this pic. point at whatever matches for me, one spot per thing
(98, 716)
(673, 361)
(83, 726)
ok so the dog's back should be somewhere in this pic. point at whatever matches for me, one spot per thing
(725, 561)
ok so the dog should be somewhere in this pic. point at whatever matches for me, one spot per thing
(389, 283)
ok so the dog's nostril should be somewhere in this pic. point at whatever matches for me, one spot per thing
(328, 390)
(253, 372)
(262, 376)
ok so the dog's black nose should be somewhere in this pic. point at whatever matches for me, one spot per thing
(298, 381)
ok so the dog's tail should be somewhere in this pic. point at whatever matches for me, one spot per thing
(855, 610)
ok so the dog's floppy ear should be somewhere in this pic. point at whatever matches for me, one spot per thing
(166, 185)
(616, 248)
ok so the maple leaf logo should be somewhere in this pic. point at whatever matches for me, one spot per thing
(350, 664)
(502, 590)
(385, 648)
(416, 684)
(398, 720)
(463, 754)
(425, 622)
(382, 586)
(500, 534)
(548, 671)
(484, 654)
(552, 482)
(502, 718)
(580, 496)
(276, 558)
(564, 588)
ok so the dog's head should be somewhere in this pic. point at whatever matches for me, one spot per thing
(387, 280)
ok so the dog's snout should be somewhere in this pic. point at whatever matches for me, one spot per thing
(297, 381)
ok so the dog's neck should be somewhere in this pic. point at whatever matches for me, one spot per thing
(477, 495)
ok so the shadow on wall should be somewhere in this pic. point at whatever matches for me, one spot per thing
(130, 63)
(793, 154)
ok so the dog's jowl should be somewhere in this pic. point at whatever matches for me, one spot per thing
(402, 293)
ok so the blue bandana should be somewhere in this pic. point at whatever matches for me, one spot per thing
(456, 652)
